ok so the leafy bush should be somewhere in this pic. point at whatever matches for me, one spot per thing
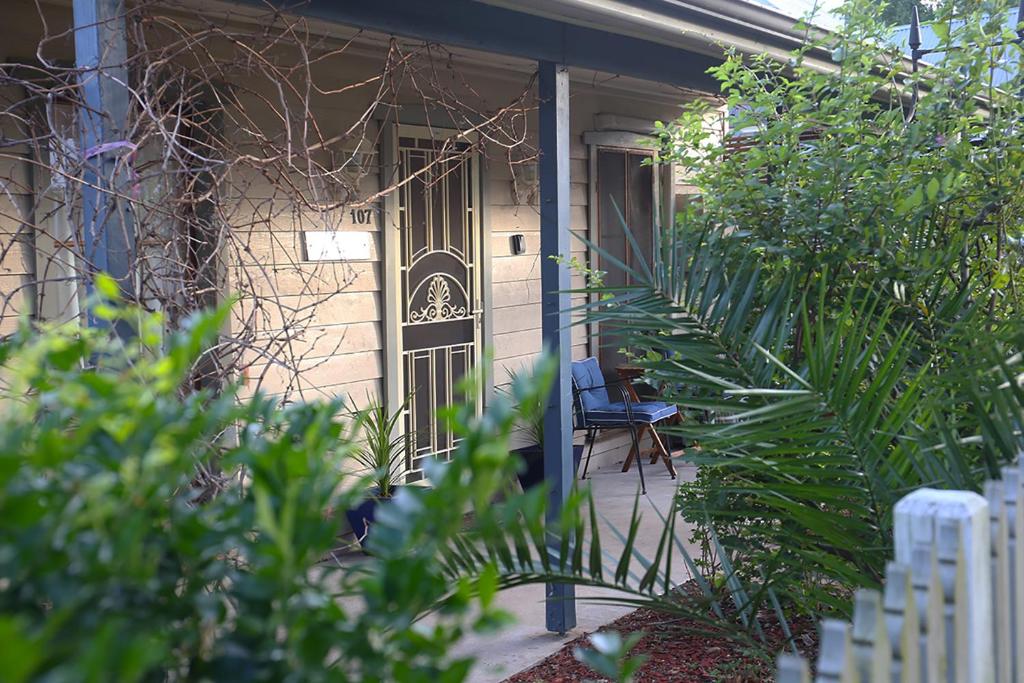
(147, 533)
(843, 299)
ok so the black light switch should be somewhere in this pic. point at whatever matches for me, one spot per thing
(518, 245)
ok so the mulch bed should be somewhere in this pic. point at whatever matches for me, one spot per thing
(679, 651)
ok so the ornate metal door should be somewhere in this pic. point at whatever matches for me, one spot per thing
(439, 284)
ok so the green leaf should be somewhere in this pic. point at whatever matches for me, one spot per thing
(21, 654)
(107, 286)
(914, 200)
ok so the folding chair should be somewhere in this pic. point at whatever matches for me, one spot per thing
(594, 410)
(659, 444)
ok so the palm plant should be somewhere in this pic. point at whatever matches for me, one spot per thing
(383, 450)
(826, 414)
(531, 410)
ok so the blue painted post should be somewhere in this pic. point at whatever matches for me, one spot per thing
(101, 56)
(553, 93)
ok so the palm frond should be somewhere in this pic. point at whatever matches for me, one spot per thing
(826, 405)
(631, 578)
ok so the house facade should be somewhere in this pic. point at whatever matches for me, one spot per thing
(415, 204)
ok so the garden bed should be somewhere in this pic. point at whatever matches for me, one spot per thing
(678, 652)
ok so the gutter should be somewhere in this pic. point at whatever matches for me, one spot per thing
(703, 26)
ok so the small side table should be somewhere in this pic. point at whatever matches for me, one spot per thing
(627, 375)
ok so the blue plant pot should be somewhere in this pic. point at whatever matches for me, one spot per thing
(361, 517)
(533, 456)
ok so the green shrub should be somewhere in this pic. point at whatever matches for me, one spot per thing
(148, 533)
(152, 533)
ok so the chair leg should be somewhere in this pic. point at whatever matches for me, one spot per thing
(661, 451)
(639, 460)
(644, 428)
(591, 437)
(634, 451)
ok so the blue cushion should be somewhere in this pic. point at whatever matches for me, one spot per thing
(590, 383)
(647, 412)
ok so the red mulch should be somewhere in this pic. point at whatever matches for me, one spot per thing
(679, 651)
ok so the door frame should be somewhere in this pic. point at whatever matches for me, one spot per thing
(391, 261)
(662, 199)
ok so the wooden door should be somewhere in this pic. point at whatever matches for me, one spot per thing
(625, 193)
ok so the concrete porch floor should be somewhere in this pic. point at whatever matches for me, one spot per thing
(526, 641)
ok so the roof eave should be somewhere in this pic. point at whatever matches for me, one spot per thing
(703, 26)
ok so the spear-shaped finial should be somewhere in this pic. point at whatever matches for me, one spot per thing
(914, 39)
(915, 29)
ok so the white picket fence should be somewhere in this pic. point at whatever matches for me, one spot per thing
(952, 609)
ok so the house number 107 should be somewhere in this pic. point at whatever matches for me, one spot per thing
(361, 216)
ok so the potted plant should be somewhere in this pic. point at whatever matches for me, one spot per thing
(383, 455)
(531, 419)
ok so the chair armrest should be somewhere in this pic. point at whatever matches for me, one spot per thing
(619, 384)
(615, 383)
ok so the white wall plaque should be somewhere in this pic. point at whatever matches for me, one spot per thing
(332, 245)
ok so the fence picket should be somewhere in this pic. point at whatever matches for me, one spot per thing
(924, 572)
(871, 650)
(950, 556)
(835, 659)
(793, 669)
(901, 621)
(1014, 500)
(915, 521)
(1000, 579)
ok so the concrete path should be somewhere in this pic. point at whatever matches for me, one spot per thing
(527, 642)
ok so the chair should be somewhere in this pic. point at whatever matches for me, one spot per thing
(628, 374)
(594, 410)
